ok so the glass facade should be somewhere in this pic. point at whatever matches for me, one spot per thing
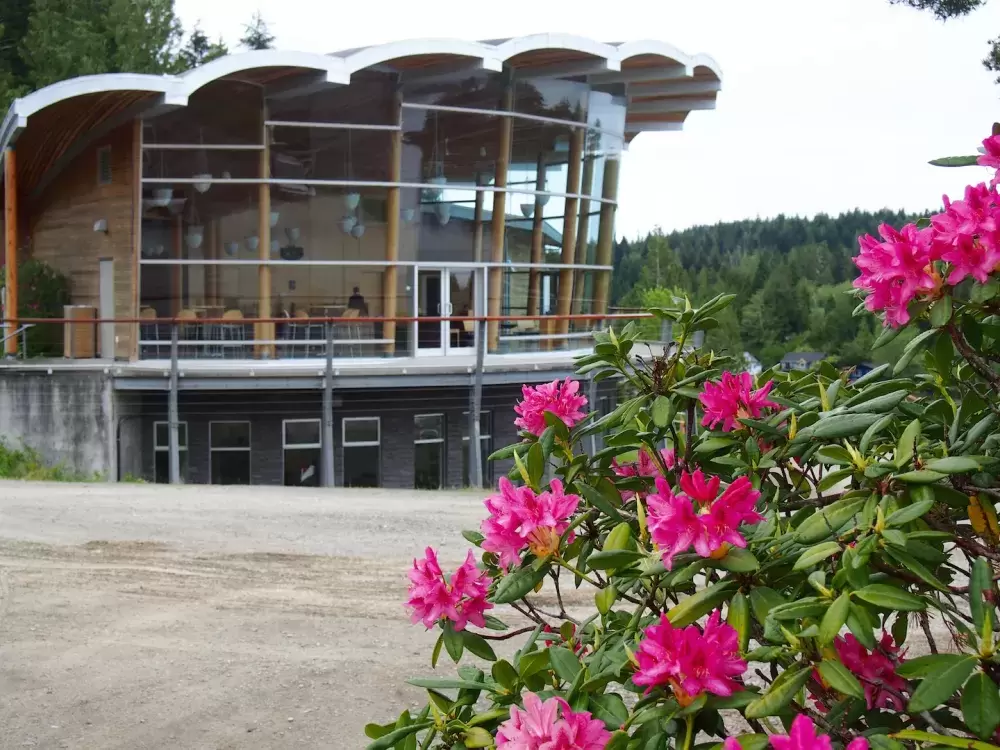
(375, 201)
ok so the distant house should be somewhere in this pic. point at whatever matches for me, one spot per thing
(801, 360)
(752, 364)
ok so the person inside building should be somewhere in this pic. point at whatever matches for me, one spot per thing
(357, 302)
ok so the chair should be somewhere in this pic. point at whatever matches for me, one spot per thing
(188, 331)
(352, 328)
(235, 330)
(150, 332)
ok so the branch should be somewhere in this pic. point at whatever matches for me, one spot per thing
(925, 625)
(975, 361)
(506, 636)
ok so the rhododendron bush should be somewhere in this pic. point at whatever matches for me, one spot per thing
(796, 561)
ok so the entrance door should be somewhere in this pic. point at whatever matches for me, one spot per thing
(432, 302)
(462, 302)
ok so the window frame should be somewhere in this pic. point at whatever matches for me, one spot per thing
(104, 156)
(442, 441)
(344, 445)
(285, 446)
(182, 447)
(248, 449)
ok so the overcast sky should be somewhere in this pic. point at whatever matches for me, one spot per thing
(827, 105)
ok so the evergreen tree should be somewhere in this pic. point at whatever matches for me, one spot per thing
(199, 50)
(256, 34)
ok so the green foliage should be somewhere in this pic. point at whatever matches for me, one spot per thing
(804, 263)
(26, 463)
(42, 293)
(256, 34)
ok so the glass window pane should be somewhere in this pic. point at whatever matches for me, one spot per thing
(161, 467)
(361, 466)
(230, 434)
(231, 467)
(361, 430)
(486, 445)
(302, 467)
(162, 438)
(429, 426)
(428, 466)
(302, 433)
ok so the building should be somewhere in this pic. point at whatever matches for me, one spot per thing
(267, 202)
(801, 360)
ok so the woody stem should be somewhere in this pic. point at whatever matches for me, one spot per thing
(688, 732)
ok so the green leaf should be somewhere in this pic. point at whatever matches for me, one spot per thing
(861, 625)
(880, 405)
(910, 512)
(921, 476)
(816, 554)
(565, 663)
(833, 478)
(535, 464)
(872, 432)
(738, 618)
(605, 599)
(779, 694)
(661, 411)
(449, 684)
(547, 441)
(913, 565)
(907, 441)
(981, 584)
(828, 521)
(941, 739)
(599, 501)
(613, 559)
(738, 560)
(436, 653)
(886, 335)
(763, 600)
(710, 445)
(837, 426)
(387, 741)
(840, 678)
(911, 350)
(981, 706)
(922, 666)
(941, 312)
(890, 597)
(749, 742)
(808, 606)
(699, 604)
(953, 465)
(478, 737)
(473, 537)
(609, 708)
(834, 619)
(478, 645)
(453, 642)
(503, 672)
(516, 585)
(505, 453)
(955, 161)
(943, 684)
(619, 538)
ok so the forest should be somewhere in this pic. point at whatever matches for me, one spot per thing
(792, 277)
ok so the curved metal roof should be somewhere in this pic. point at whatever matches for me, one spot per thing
(662, 83)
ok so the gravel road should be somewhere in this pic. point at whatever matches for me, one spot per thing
(138, 616)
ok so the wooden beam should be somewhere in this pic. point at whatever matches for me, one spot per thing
(264, 330)
(583, 230)
(212, 271)
(390, 276)
(499, 219)
(177, 270)
(477, 221)
(537, 240)
(136, 234)
(10, 248)
(606, 234)
(570, 213)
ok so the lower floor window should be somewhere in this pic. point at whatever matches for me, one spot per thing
(428, 451)
(230, 452)
(301, 443)
(161, 451)
(362, 441)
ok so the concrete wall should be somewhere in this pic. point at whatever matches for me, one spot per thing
(69, 418)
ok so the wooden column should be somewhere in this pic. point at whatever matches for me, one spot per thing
(264, 330)
(499, 220)
(177, 270)
(537, 239)
(212, 271)
(136, 236)
(477, 222)
(390, 277)
(565, 299)
(583, 233)
(606, 234)
(10, 247)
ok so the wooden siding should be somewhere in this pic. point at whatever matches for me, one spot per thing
(62, 232)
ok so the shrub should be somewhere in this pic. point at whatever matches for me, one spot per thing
(42, 293)
(774, 553)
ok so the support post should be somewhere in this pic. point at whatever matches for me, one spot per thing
(475, 448)
(264, 330)
(212, 270)
(10, 250)
(606, 234)
(477, 222)
(565, 300)
(583, 232)
(390, 276)
(177, 270)
(173, 418)
(326, 473)
(537, 240)
(499, 219)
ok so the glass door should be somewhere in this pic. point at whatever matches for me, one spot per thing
(431, 302)
(462, 303)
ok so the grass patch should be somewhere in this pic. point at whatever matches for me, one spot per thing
(26, 463)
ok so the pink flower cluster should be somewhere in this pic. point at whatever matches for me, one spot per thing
(689, 660)
(645, 467)
(876, 669)
(733, 398)
(561, 398)
(461, 600)
(803, 736)
(521, 519)
(697, 516)
(966, 236)
(539, 727)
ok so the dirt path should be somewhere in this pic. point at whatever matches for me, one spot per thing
(153, 617)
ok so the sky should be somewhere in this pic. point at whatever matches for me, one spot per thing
(827, 105)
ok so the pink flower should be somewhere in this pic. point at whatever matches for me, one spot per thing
(644, 468)
(875, 669)
(689, 660)
(519, 518)
(896, 270)
(539, 727)
(731, 743)
(966, 234)
(992, 156)
(804, 737)
(674, 525)
(462, 600)
(562, 399)
(733, 398)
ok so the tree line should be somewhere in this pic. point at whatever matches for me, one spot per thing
(792, 277)
(44, 41)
